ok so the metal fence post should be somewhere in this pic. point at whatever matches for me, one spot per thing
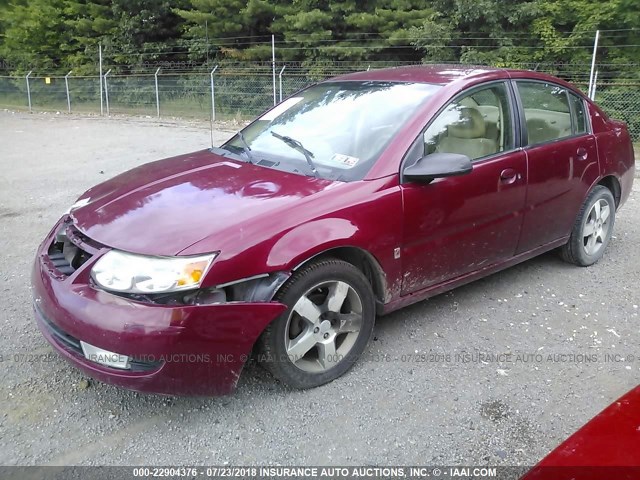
(213, 95)
(106, 91)
(100, 63)
(66, 86)
(273, 66)
(593, 64)
(280, 79)
(29, 89)
(595, 84)
(157, 93)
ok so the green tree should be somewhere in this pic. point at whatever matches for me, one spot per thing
(206, 19)
(34, 34)
(556, 33)
(4, 6)
(477, 31)
(88, 23)
(305, 29)
(146, 32)
(389, 23)
(566, 30)
(57, 35)
(351, 30)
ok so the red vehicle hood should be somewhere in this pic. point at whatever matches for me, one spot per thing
(163, 207)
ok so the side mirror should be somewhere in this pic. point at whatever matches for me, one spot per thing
(438, 165)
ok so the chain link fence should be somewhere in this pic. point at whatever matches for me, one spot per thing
(243, 91)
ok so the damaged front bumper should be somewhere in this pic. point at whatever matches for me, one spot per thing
(169, 349)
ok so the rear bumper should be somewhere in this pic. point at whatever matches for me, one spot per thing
(626, 183)
(180, 349)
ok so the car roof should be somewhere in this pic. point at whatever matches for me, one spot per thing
(444, 74)
(432, 73)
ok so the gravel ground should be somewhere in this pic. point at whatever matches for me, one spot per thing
(413, 399)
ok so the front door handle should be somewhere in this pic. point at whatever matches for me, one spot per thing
(509, 175)
(582, 153)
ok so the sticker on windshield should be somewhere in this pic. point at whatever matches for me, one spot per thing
(344, 161)
(281, 108)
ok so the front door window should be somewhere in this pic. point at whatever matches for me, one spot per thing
(476, 125)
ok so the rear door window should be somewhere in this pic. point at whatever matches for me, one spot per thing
(546, 111)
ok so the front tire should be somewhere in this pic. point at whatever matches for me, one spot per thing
(326, 327)
(592, 230)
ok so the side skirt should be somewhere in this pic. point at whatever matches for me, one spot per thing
(439, 288)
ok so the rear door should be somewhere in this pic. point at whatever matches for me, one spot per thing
(562, 160)
(456, 225)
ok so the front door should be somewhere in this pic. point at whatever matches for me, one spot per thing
(457, 225)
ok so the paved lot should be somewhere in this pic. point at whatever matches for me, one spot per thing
(394, 407)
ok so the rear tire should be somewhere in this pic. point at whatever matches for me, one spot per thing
(326, 327)
(592, 230)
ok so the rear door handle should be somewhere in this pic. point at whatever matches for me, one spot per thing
(509, 175)
(582, 153)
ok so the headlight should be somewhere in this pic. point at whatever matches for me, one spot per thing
(127, 272)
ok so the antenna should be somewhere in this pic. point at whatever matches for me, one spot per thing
(213, 104)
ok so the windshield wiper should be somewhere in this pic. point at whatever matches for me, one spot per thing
(296, 145)
(246, 148)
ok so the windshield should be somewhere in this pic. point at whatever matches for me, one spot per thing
(333, 130)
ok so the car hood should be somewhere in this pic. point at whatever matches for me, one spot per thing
(164, 207)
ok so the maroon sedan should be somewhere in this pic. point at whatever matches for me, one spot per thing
(348, 200)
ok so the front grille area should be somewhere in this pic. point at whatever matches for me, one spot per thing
(70, 249)
(73, 344)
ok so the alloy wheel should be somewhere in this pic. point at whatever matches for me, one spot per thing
(596, 227)
(323, 326)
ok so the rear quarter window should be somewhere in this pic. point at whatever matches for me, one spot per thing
(578, 113)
